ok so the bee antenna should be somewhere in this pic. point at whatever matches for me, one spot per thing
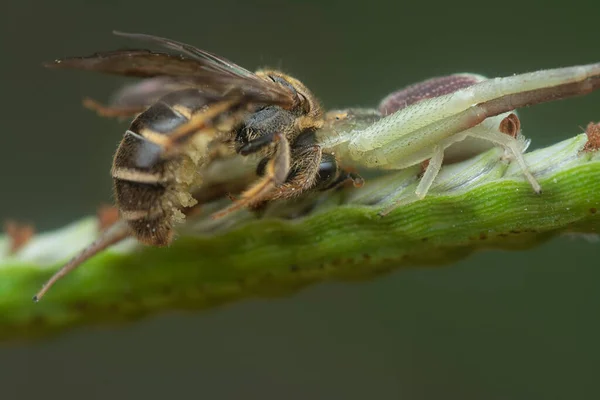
(113, 235)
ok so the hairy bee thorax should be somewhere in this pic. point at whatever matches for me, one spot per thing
(258, 129)
(307, 102)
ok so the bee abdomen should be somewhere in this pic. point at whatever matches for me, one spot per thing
(153, 232)
(160, 118)
(153, 127)
(141, 205)
(170, 112)
(147, 192)
(140, 187)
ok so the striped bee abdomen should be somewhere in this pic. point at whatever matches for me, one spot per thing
(151, 190)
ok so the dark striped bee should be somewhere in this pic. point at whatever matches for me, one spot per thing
(188, 102)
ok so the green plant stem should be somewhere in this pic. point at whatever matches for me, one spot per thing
(478, 204)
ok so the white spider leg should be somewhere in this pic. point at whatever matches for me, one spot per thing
(515, 147)
(431, 172)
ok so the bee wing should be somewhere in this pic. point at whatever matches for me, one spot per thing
(198, 67)
(147, 91)
(132, 62)
(211, 61)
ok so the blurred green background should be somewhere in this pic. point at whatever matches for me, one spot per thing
(498, 325)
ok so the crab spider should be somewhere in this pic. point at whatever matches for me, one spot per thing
(424, 120)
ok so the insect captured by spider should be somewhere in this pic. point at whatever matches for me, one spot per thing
(193, 99)
(188, 103)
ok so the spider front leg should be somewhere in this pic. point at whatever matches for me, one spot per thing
(276, 172)
(431, 172)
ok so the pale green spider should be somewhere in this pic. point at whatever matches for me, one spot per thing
(429, 117)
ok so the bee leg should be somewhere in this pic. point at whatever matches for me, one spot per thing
(276, 172)
(112, 112)
(314, 170)
(304, 174)
(201, 123)
(256, 145)
(115, 234)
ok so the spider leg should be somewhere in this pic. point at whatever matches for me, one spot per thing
(432, 170)
(276, 172)
(515, 148)
(509, 126)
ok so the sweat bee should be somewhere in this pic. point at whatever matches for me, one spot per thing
(187, 102)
